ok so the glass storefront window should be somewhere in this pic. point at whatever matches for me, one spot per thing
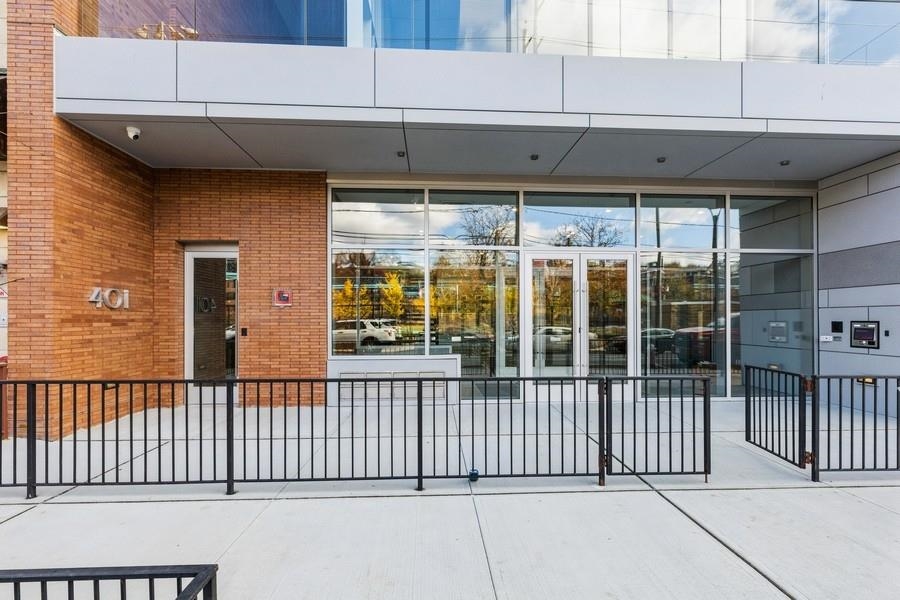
(771, 313)
(457, 218)
(474, 302)
(378, 302)
(682, 221)
(589, 220)
(365, 217)
(770, 222)
(683, 323)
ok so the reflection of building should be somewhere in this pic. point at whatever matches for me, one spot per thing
(670, 213)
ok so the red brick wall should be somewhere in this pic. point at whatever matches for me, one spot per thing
(277, 222)
(83, 215)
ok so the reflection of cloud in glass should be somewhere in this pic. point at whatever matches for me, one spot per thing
(779, 30)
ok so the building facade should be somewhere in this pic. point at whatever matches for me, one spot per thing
(284, 189)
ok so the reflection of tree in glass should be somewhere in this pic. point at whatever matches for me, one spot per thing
(345, 302)
(490, 226)
(588, 230)
(393, 299)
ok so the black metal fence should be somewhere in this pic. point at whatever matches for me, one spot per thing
(857, 423)
(188, 582)
(164, 432)
(775, 413)
(832, 422)
(658, 425)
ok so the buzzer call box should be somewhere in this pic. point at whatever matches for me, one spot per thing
(864, 334)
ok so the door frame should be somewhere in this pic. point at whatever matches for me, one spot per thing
(579, 258)
(206, 251)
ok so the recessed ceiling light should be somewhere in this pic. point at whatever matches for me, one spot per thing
(660, 159)
(784, 163)
(535, 156)
(401, 153)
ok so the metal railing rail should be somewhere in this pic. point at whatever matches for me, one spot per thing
(183, 582)
(67, 433)
(775, 413)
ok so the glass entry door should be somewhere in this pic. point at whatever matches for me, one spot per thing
(211, 335)
(581, 317)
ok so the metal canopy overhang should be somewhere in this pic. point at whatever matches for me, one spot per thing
(433, 142)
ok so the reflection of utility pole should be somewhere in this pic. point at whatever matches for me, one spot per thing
(715, 277)
(659, 274)
(356, 266)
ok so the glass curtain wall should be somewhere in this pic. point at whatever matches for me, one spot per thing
(826, 31)
(724, 280)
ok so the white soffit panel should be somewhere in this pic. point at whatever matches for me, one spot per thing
(173, 144)
(275, 74)
(114, 69)
(468, 81)
(642, 86)
(821, 92)
(810, 158)
(486, 151)
(321, 147)
(636, 154)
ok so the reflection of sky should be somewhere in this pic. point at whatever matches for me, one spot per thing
(547, 225)
(853, 32)
(682, 227)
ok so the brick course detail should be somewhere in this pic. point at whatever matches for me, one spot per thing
(83, 214)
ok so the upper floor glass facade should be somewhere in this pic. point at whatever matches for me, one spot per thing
(824, 31)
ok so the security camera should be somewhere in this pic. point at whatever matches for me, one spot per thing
(134, 133)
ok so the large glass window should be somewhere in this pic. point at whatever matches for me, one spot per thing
(474, 300)
(590, 220)
(771, 313)
(365, 217)
(378, 302)
(472, 218)
(683, 323)
(682, 221)
(770, 222)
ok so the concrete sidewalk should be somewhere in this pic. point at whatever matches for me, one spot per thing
(490, 539)
(759, 528)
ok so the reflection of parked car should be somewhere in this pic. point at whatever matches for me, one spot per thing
(694, 345)
(551, 339)
(371, 332)
(653, 339)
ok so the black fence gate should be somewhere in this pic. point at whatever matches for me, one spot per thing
(831, 422)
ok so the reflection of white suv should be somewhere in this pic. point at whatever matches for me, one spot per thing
(371, 332)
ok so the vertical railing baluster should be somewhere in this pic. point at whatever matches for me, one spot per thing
(229, 437)
(419, 434)
(31, 441)
(816, 395)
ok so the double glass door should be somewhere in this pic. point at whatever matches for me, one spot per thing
(580, 321)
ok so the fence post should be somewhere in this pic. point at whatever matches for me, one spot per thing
(707, 434)
(229, 436)
(31, 441)
(815, 427)
(807, 385)
(601, 434)
(419, 434)
(747, 403)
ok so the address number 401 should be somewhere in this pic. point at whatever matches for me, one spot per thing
(113, 298)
